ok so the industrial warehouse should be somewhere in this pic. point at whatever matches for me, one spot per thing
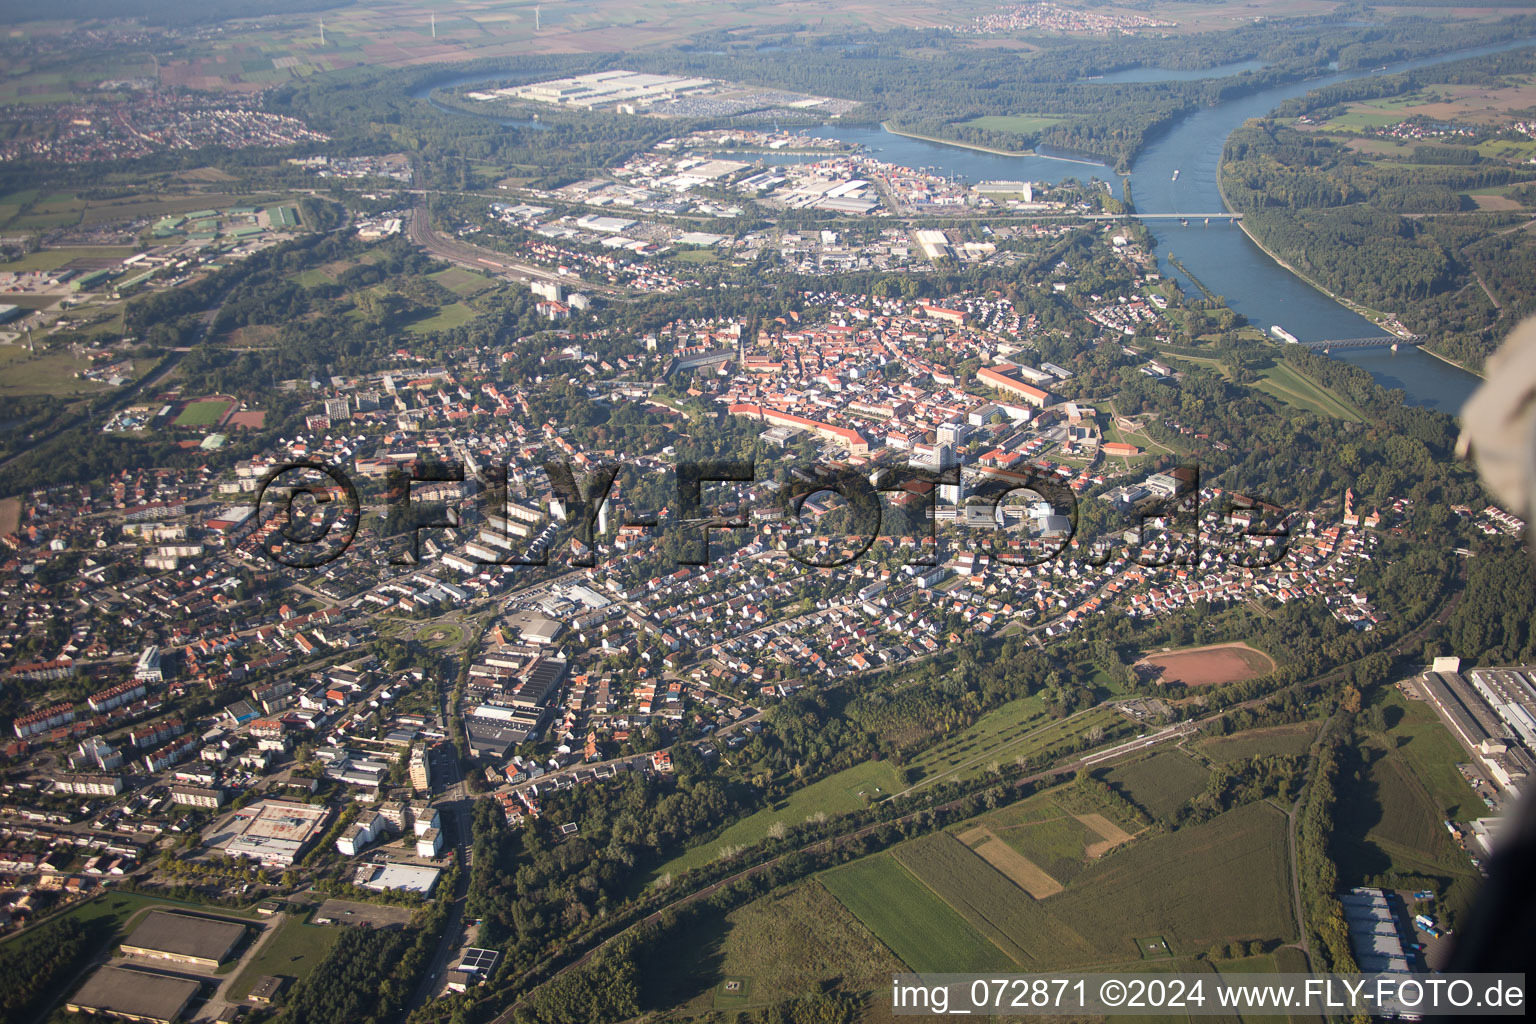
(203, 941)
(1374, 933)
(135, 995)
(1492, 713)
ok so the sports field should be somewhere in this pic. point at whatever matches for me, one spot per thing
(10, 515)
(1207, 666)
(204, 412)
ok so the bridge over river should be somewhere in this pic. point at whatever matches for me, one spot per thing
(1221, 215)
(1375, 341)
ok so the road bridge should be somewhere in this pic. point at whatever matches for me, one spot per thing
(1223, 215)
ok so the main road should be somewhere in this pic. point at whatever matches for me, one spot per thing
(455, 806)
(476, 257)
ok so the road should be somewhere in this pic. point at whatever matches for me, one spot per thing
(454, 805)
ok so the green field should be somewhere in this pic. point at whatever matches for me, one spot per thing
(1224, 880)
(921, 929)
(992, 904)
(1160, 784)
(1395, 794)
(1057, 845)
(292, 952)
(202, 413)
(462, 282)
(313, 278)
(1284, 740)
(1518, 150)
(1040, 807)
(1355, 120)
(1284, 383)
(778, 947)
(53, 259)
(1220, 881)
(1018, 729)
(836, 794)
(1431, 754)
(50, 373)
(455, 314)
(1019, 124)
(441, 635)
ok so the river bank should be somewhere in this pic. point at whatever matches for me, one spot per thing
(978, 147)
(1375, 316)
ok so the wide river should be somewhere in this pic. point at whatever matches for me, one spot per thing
(1221, 255)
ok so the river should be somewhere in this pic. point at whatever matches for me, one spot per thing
(1221, 255)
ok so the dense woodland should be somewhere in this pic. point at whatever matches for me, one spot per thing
(1392, 232)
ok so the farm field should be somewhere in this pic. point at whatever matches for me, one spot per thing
(1222, 880)
(1207, 666)
(920, 928)
(777, 947)
(293, 951)
(1007, 734)
(1285, 740)
(1059, 845)
(1012, 864)
(836, 794)
(1225, 880)
(996, 907)
(1160, 784)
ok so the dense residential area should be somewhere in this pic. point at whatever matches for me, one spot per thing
(535, 515)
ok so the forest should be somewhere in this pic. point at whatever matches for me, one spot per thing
(1398, 233)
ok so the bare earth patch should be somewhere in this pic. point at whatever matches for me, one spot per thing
(1112, 835)
(10, 516)
(1016, 867)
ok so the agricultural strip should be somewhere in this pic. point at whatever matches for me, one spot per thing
(995, 906)
(919, 927)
